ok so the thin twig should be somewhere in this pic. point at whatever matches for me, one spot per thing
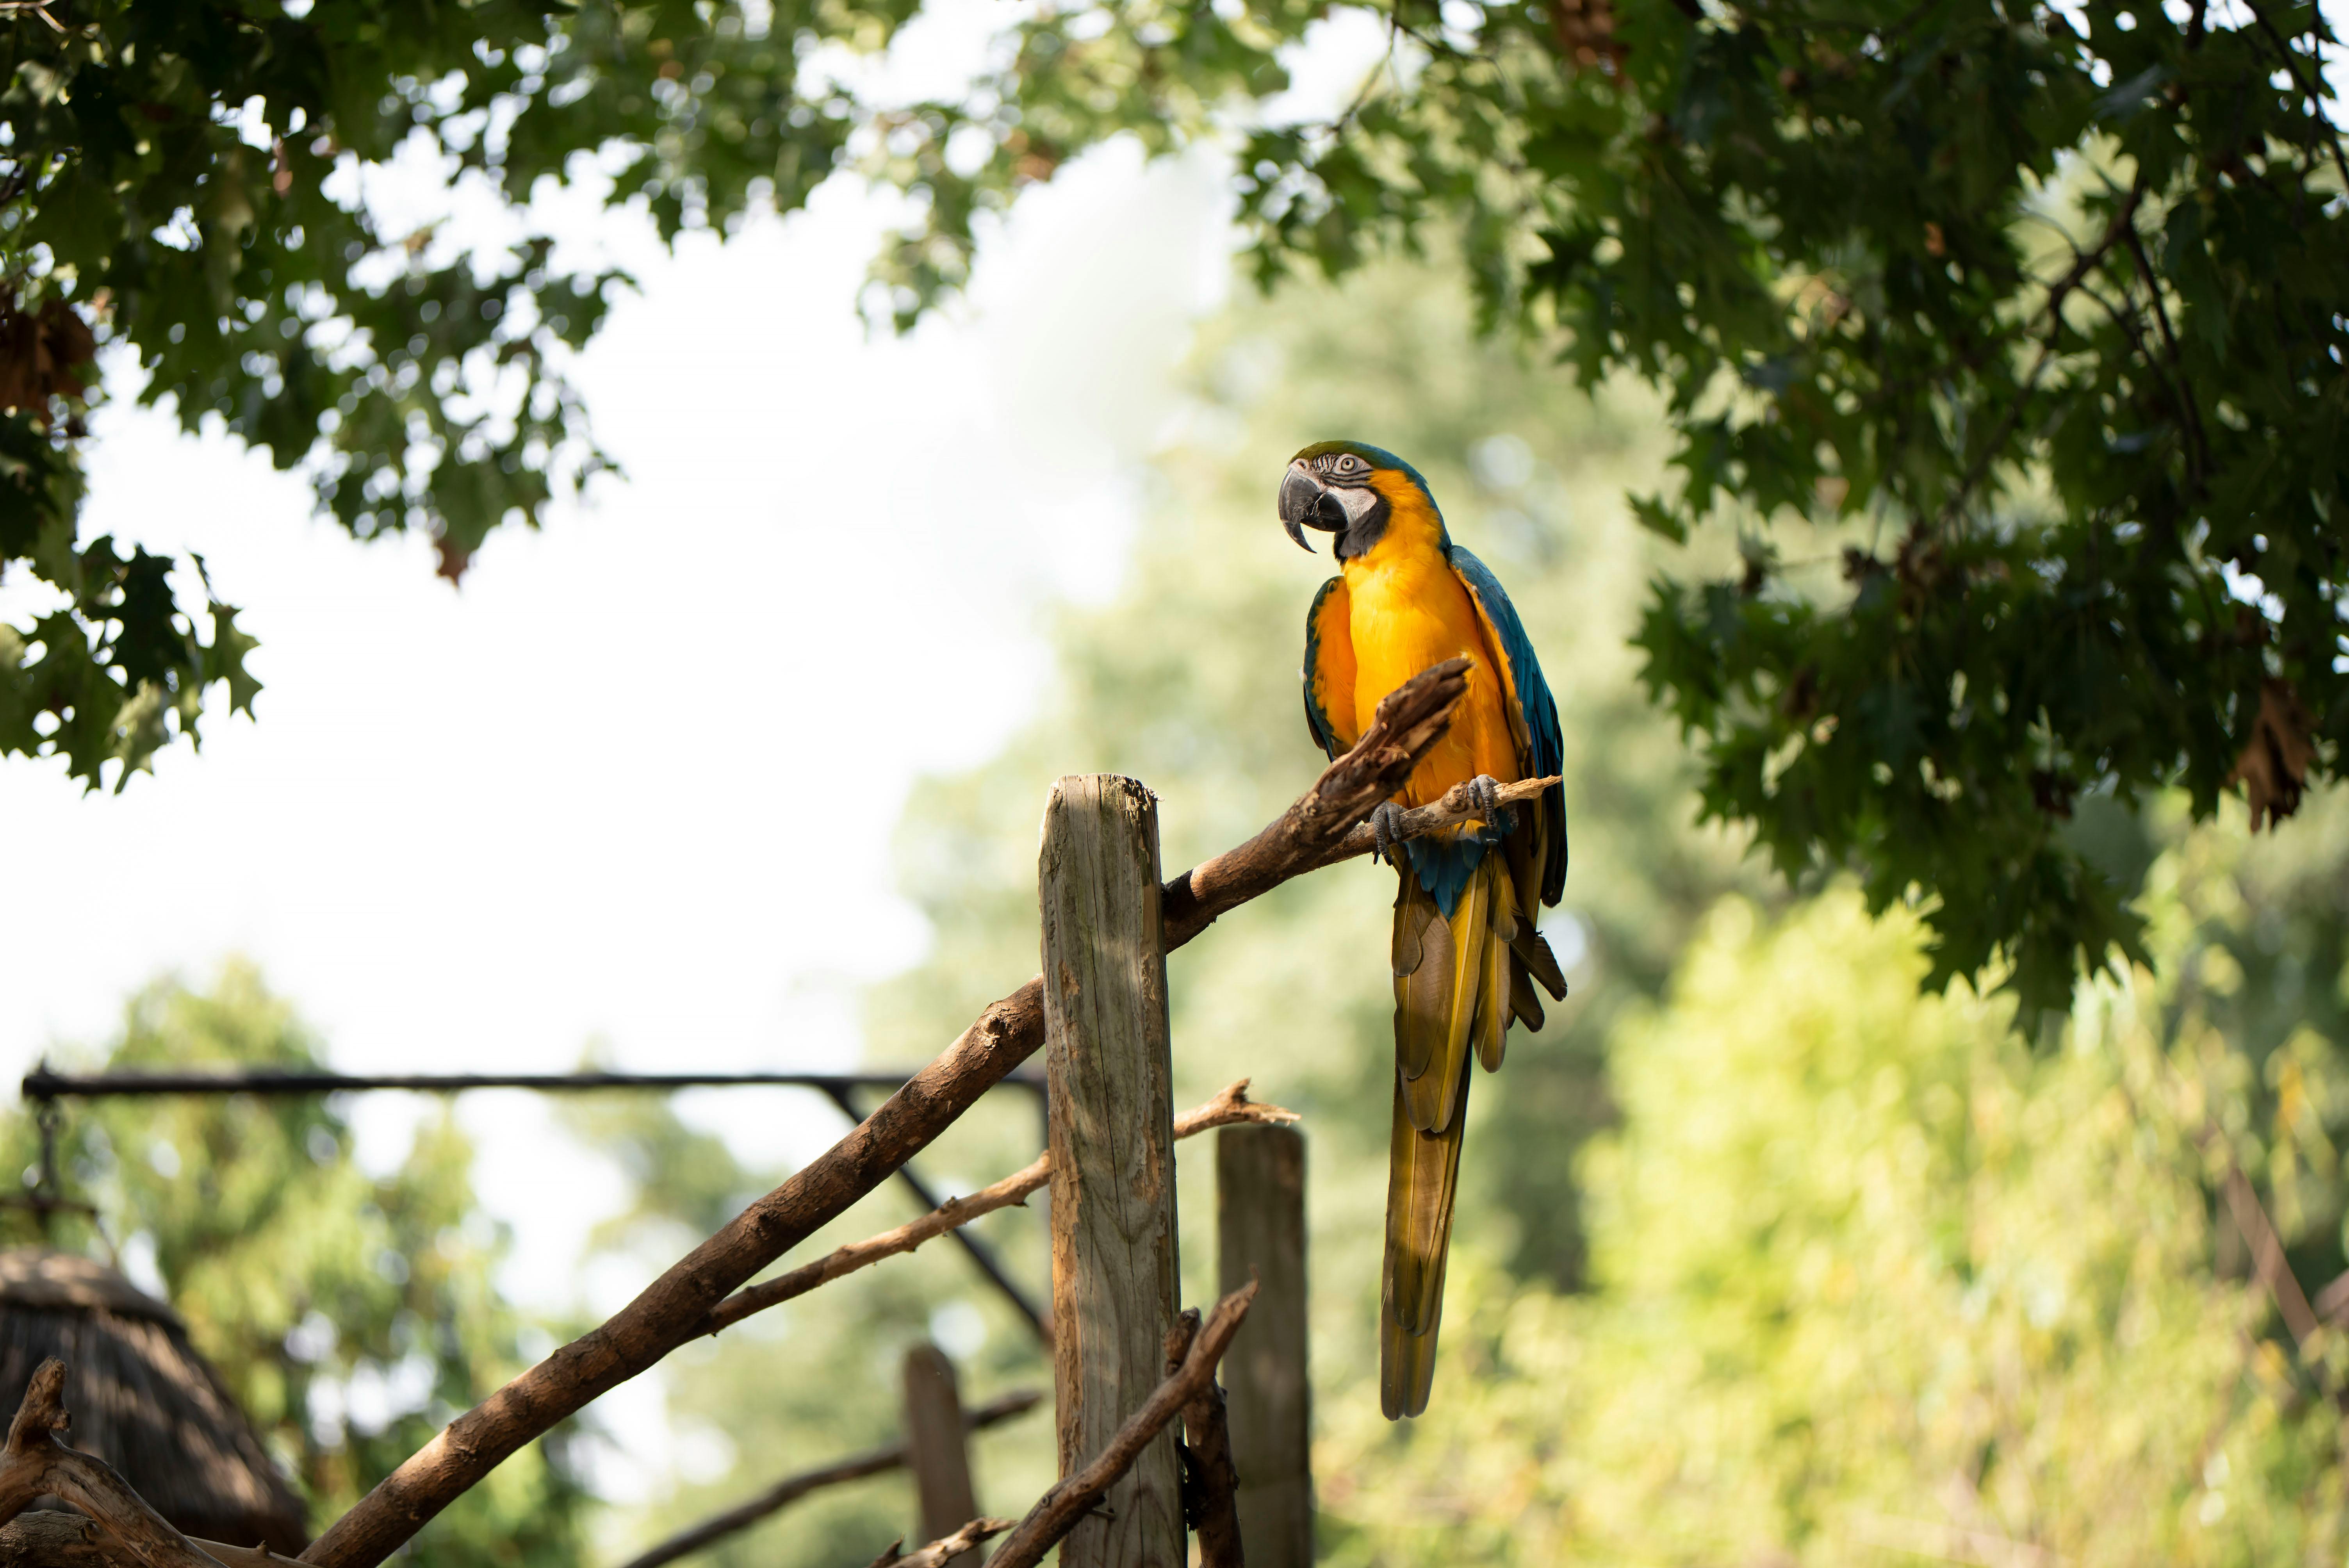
(2085, 264)
(791, 1489)
(2267, 1255)
(2313, 94)
(2180, 387)
(1231, 1105)
(946, 1548)
(1058, 1511)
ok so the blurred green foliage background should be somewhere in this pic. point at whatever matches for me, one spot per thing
(1764, 1256)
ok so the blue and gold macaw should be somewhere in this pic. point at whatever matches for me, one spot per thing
(1465, 951)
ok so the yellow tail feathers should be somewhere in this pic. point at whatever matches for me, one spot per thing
(1454, 980)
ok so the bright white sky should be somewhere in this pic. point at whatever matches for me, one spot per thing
(474, 828)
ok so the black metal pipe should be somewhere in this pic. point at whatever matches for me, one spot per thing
(44, 1083)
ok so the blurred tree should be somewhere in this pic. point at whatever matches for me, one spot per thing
(351, 1315)
(1874, 1278)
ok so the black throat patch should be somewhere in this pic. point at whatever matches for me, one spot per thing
(1364, 533)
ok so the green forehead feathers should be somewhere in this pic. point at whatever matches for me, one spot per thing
(1377, 456)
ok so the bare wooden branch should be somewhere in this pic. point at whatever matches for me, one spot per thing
(1231, 1106)
(1210, 1485)
(2268, 1258)
(791, 1489)
(675, 1307)
(1409, 721)
(943, 1551)
(1071, 1497)
(36, 1463)
(1454, 808)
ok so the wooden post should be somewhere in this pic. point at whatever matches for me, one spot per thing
(1114, 1284)
(937, 1448)
(1261, 1226)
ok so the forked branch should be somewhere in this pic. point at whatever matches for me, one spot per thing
(1231, 1105)
(1057, 1512)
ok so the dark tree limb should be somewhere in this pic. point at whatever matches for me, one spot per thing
(674, 1307)
(1211, 1483)
(1058, 1511)
(791, 1489)
(36, 1463)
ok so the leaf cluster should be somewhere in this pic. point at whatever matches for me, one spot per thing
(189, 185)
(2027, 321)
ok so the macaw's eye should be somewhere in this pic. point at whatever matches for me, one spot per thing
(1350, 464)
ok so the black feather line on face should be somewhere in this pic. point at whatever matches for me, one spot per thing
(1363, 533)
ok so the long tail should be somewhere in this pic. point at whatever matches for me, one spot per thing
(1453, 981)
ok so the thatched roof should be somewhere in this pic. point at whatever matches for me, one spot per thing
(142, 1399)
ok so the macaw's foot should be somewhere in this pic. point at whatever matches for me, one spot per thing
(1485, 791)
(1386, 825)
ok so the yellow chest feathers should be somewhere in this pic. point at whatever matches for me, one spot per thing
(1407, 607)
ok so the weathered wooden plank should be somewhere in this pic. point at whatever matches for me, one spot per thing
(937, 1448)
(1261, 1230)
(1107, 1056)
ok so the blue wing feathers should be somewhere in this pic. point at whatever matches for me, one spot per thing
(1325, 735)
(1534, 701)
(1445, 865)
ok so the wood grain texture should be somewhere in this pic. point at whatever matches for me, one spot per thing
(677, 1306)
(1073, 1498)
(936, 1450)
(1260, 1236)
(37, 1464)
(1110, 1063)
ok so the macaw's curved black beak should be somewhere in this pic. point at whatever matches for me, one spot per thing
(1306, 504)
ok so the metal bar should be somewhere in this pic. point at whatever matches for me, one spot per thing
(980, 1254)
(44, 1083)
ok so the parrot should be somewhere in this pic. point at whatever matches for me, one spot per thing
(1465, 953)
